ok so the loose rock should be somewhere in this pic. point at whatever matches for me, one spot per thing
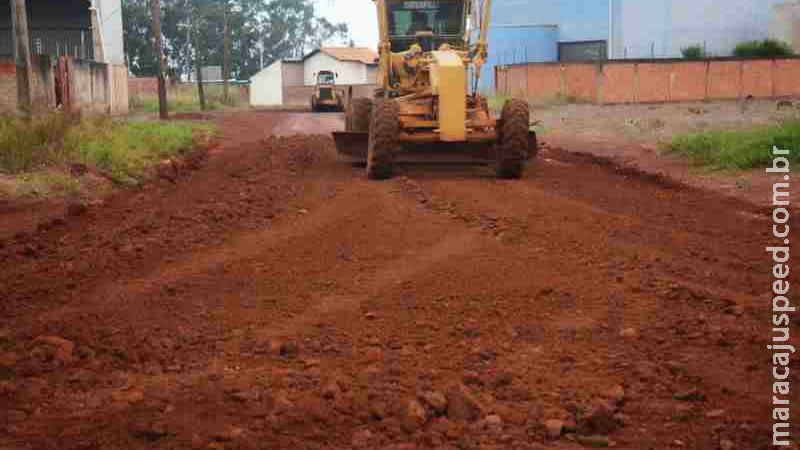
(616, 396)
(436, 401)
(601, 418)
(414, 415)
(553, 428)
(462, 406)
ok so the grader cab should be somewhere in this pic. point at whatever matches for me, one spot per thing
(427, 107)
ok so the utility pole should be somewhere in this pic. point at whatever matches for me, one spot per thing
(163, 111)
(198, 60)
(22, 55)
(226, 51)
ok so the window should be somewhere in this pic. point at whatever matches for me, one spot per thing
(326, 78)
(582, 51)
(441, 17)
(38, 48)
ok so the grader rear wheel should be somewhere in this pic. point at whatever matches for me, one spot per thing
(512, 148)
(383, 139)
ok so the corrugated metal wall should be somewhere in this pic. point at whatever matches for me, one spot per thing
(530, 30)
(661, 28)
(57, 27)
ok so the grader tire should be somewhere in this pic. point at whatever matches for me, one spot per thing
(361, 114)
(512, 149)
(383, 139)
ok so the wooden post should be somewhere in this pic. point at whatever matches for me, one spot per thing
(198, 62)
(22, 55)
(226, 52)
(163, 111)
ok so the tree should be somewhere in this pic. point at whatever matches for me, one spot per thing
(768, 48)
(693, 52)
(260, 32)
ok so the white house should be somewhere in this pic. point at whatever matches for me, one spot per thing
(290, 81)
(354, 65)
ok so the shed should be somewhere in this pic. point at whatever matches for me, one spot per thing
(268, 87)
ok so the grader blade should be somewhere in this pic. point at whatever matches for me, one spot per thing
(351, 146)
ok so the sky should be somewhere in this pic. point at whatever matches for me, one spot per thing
(359, 15)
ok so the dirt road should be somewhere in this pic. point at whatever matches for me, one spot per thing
(274, 298)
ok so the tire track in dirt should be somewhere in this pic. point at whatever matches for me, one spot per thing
(658, 275)
(293, 304)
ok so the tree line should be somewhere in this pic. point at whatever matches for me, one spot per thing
(242, 36)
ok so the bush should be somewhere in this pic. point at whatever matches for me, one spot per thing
(768, 48)
(739, 149)
(693, 52)
(28, 144)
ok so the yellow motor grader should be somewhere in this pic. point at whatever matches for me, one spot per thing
(426, 106)
(326, 97)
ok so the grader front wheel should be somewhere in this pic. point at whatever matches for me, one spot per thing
(512, 147)
(361, 114)
(383, 139)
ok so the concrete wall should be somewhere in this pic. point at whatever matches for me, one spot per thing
(266, 87)
(293, 73)
(652, 81)
(94, 87)
(120, 98)
(90, 86)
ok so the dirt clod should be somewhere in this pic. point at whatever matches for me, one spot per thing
(436, 402)
(692, 395)
(147, 430)
(53, 348)
(413, 415)
(553, 428)
(462, 406)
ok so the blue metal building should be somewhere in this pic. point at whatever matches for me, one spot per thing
(579, 30)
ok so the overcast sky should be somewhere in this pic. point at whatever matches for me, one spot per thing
(359, 15)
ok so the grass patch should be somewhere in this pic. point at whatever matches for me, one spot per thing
(120, 149)
(125, 150)
(738, 149)
(46, 183)
(184, 99)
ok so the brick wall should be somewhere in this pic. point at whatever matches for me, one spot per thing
(651, 81)
(43, 76)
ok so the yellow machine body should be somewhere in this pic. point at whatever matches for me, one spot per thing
(423, 68)
(449, 84)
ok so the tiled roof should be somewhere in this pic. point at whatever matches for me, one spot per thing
(359, 54)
